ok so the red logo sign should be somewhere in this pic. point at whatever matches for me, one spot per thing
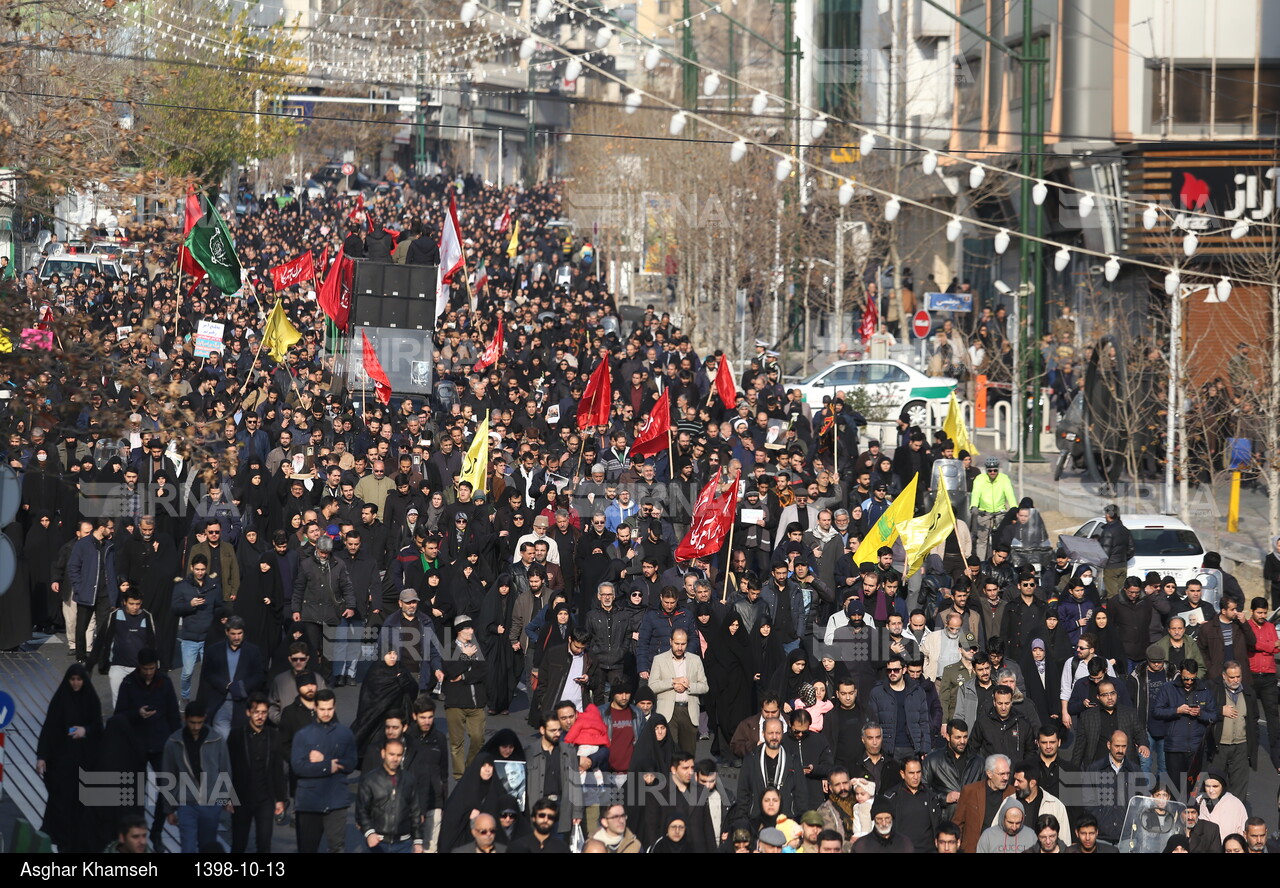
(921, 324)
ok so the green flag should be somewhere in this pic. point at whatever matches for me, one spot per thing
(211, 246)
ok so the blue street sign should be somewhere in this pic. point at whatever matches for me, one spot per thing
(8, 709)
(948, 301)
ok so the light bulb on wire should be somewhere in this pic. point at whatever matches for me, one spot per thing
(1061, 259)
(527, 47)
(929, 163)
(738, 150)
(976, 175)
(1223, 289)
(543, 10)
(1150, 216)
(678, 120)
(845, 194)
(891, 209)
(604, 37)
(818, 127)
(760, 103)
(783, 169)
(867, 143)
(711, 84)
(1240, 229)
(1190, 243)
(652, 57)
(1086, 205)
(1111, 270)
(632, 103)
(1039, 192)
(469, 11)
(953, 228)
(573, 70)
(1171, 282)
(1002, 241)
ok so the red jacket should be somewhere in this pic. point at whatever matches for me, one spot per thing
(1264, 661)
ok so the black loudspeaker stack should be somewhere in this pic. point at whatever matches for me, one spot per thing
(391, 295)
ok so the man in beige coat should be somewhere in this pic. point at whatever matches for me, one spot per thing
(677, 679)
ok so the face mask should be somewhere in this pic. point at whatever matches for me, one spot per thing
(1088, 581)
(41, 457)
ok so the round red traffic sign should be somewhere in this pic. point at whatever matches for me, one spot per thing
(921, 324)
(348, 169)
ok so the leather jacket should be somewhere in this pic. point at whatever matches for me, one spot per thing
(390, 811)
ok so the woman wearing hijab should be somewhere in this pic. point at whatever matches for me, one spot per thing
(40, 549)
(69, 741)
(261, 600)
(512, 824)
(768, 656)
(729, 673)
(499, 630)
(388, 687)
(672, 840)
(479, 791)
(254, 502)
(468, 584)
(650, 766)
(791, 676)
(1109, 646)
(555, 632)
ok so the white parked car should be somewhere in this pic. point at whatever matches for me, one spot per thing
(898, 386)
(1162, 544)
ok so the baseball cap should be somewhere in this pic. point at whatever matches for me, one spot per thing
(811, 818)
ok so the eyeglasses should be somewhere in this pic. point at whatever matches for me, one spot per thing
(891, 669)
(298, 659)
(543, 815)
(483, 832)
(1082, 647)
(615, 817)
(1028, 583)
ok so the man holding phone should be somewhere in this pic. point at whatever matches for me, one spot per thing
(147, 700)
(198, 600)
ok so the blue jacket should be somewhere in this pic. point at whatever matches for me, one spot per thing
(197, 621)
(1184, 733)
(82, 570)
(655, 635)
(884, 709)
(320, 789)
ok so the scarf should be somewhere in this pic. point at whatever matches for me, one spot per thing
(844, 808)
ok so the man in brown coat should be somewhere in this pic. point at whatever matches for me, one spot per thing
(1213, 639)
(979, 802)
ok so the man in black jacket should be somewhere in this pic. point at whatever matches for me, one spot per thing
(429, 765)
(387, 809)
(258, 776)
(949, 769)
(147, 699)
(1117, 543)
(127, 632)
(233, 669)
(425, 249)
(464, 696)
(769, 766)
(608, 625)
(366, 583)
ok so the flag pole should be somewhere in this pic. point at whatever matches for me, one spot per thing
(724, 593)
(671, 463)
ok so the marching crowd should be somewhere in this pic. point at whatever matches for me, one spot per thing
(780, 694)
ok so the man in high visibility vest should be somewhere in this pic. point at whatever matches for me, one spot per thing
(991, 497)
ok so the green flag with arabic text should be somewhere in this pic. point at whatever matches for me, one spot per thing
(211, 246)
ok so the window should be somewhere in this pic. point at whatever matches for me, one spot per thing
(1155, 542)
(885, 374)
(664, 7)
(1192, 88)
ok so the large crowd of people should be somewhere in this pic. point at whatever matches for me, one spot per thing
(229, 540)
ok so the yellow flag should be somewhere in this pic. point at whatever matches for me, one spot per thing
(919, 535)
(278, 336)
(513, 246)
(475, 466)
(954, 428)
(885, 531)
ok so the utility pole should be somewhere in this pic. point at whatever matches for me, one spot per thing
(688, 60)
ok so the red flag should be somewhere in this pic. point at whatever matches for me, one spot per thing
(712, 517)
(870, 321)
(373, 367)
(335, 293)
(653, 436)
(192, 213)
(597, 399)
(451, 256)
(46, 319)
(725, 388)
(494, 350)
(503, 221)
(295, 271)
(324, 261)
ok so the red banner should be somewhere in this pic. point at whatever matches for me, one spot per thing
(295, 271)
(597, 399)
(373, 367)
(335, 293)
(654, 435)
(870, 321)
(192, 212)
(724, 384)
(493, 351)
(713, 516)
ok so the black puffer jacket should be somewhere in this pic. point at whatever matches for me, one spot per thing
(1117, 542)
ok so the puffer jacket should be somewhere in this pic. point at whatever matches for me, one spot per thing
(390, 810)
(197, 621)
(322, 591)
(884, 709)
(1117, 543)
(1185, 733)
